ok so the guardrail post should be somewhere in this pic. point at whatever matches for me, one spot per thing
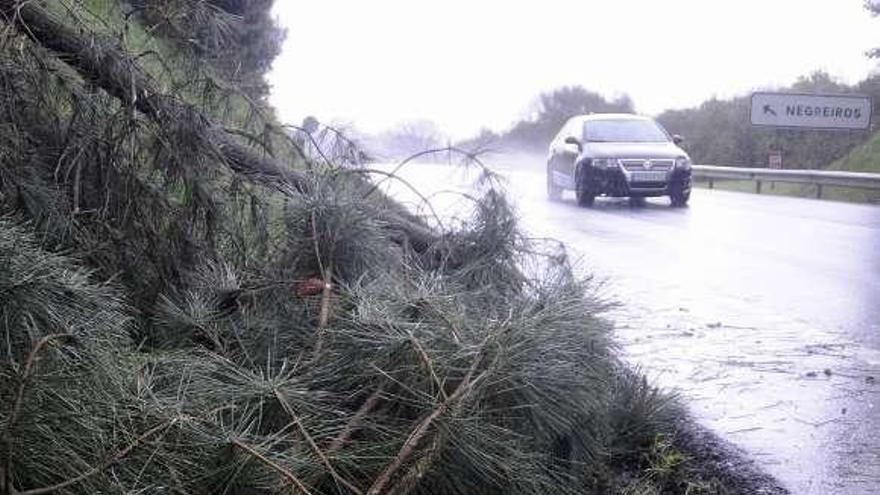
(711, 184)
(818, 191)
(758, 186)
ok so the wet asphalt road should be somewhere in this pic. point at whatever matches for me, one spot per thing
(762, 311)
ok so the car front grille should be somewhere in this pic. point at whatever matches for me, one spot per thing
(641, 164)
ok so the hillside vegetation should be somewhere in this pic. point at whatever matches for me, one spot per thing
(188, 305)
(862, 158)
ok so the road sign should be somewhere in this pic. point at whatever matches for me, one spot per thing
(813, 111)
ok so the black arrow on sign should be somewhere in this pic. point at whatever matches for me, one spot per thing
(769, 109)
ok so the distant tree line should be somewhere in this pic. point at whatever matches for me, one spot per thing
(553, 108)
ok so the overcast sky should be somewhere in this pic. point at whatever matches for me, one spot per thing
(467, 64)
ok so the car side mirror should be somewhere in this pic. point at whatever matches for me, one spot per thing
(573, 140)
(677, 139)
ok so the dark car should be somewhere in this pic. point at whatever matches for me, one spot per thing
(617, 155)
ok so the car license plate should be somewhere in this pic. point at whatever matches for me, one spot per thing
(652, 176)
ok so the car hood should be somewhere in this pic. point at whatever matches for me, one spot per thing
(633, 150)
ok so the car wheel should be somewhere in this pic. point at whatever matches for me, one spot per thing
(554, 192)
(680, 190)
(583, 195)
(584, 198)
(680, 199)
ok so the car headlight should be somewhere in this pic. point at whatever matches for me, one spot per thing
(605, 163)
(683, 163)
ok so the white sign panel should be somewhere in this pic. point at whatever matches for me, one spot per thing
(811, 110)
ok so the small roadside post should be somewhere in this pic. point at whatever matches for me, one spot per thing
(774, 159)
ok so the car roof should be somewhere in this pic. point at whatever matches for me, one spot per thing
(611, 116)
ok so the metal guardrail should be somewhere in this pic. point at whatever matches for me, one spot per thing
(817, 178)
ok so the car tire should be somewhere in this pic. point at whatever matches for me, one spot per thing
(680, 199)
(584, 196)
(554, 192)
(680, 190)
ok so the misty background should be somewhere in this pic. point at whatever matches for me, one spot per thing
(400, 77)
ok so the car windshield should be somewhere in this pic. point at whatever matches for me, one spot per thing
(624, 131)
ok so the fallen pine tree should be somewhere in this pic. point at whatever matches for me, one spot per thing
(189, 307)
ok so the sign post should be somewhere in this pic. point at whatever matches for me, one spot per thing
(811, 111)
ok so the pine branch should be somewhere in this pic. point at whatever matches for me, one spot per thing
(355, 421)
(324, 314)
(411, 479)
(314, 446)
(426, 360)
(104, 465)
(274, 466)
(326, 291)
(423, 427)
(19, 400)
(26, 376)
